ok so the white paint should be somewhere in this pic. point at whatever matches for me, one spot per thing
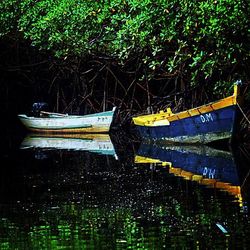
(208, 172)
(204, 138)
(206, 118)
(98, 144)
(161, 123)
(68, 122)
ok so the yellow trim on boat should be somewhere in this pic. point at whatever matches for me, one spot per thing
(150, 120)
(72, 130)
(90, 136)
(231, 189)
(166, 117)
(141, 159)
(234, 190)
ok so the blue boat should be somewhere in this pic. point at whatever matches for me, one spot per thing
(203, 164)
(204, 124)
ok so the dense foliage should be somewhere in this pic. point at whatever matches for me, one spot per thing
(196, 39)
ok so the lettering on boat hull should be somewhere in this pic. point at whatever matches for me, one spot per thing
(204, 128)
(207, 123)
(93, 123)
(207, 118)
(199, 163)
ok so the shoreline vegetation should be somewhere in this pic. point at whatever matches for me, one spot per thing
(85, 56)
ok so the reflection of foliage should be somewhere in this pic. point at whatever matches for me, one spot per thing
(76, 227)
(90, 204)
(166, 36)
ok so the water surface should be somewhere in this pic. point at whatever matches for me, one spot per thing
(102, 196)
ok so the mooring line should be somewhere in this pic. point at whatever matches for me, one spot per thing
(245, 179)
(243, 113)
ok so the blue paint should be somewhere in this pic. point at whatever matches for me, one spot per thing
(201, 160)
(218, 121)
(106, 113)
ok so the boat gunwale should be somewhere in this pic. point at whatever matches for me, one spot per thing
(142, 120)
(91, 123)
(106, 113)
(188, 175)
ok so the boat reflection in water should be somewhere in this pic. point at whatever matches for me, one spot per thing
(202, 164)
(97, 143)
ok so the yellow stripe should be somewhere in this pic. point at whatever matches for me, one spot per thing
(234, 190)
(207, 108)
(182, 115)
(194, 112)
(148, 120)
(84, 136)
(231, 100)
(226, 102)
(141, 159)
(77, 130)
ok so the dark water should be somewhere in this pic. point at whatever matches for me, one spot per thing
(118, 194)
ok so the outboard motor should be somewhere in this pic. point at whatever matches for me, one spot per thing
(37, 107)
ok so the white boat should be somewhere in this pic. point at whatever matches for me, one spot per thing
(49, 122)
(97, 143)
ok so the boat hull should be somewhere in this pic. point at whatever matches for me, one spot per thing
(197, 163)
(201, 128)
(96, 143)
(200, 160)
(93, 123)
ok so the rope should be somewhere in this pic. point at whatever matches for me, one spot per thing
(245, 179)
(243, 113)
